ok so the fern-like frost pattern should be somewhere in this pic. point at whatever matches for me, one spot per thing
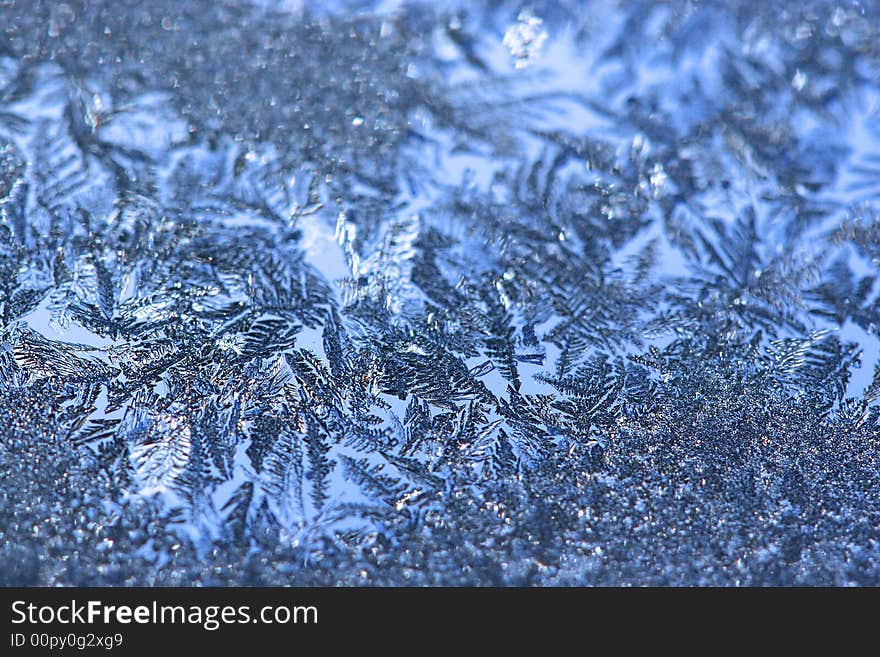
(439, 294)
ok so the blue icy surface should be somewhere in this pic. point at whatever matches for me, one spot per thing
(383, 293)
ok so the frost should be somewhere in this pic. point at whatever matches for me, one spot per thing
(525, 38)
(298, 293)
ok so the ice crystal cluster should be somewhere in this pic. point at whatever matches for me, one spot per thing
(416, 294)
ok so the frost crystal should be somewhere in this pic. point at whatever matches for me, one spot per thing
(525, 38)
(298, 293)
